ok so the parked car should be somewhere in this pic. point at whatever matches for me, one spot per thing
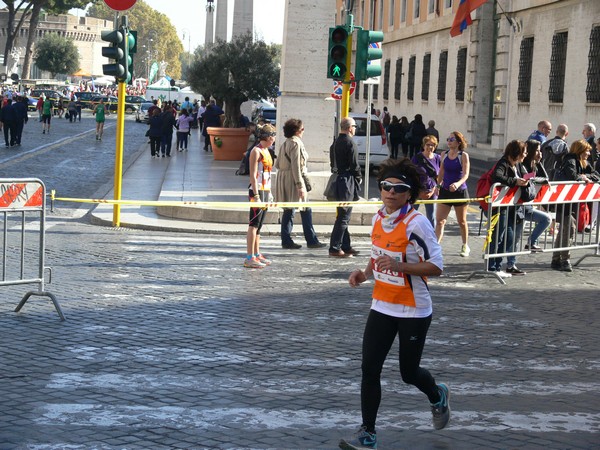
(85, 98)
(112, 103)
(141, 115)
(53, 95)
(135, 99)
(269, 115)
(378, 151)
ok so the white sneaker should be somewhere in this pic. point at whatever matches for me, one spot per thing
(503, 274)
(254, 263)
(465, 250)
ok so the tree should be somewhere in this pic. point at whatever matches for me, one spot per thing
(157, 37)
(234, 72)
(13, 26)
(54, 7)
(56, 54)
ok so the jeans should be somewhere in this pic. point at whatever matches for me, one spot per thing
(182, 139)
(429, 211)
(542, 221)
(287, 223)
(155, 145)
(340, 238)
(502, 238)
(165, 144)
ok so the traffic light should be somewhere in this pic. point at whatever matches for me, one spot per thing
(132, 50)
(365, 53)
(338, 50)
(115, 52)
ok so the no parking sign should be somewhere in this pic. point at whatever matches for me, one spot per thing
(338, 87)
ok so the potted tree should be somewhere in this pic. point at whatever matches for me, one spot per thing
(232, 73)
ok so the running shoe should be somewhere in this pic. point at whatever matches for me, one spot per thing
(263, 260)
(441, 410)
(465, 250)
(363, 439)
(254, 263)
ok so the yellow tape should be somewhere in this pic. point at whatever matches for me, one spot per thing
(244, 204)
(493, 222)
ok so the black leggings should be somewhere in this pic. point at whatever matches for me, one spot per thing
(380, 332)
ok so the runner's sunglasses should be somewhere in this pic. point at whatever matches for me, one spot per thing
(398, 188)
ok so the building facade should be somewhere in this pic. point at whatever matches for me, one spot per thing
(84, 31)
(520, 62)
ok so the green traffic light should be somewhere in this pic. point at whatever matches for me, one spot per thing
(365, 53)
(338, 52)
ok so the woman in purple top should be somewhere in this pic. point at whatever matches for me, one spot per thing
(429, 161)
(452, 179)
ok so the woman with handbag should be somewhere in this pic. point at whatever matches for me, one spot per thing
(293, 185)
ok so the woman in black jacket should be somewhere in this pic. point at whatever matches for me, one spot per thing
(508, 171)
(575, 167)
(155, 132)
(542, 219)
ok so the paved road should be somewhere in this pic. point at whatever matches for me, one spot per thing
(69, 159)
(170, 343)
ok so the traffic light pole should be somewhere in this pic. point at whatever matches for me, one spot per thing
(347, 78)
(119, 153)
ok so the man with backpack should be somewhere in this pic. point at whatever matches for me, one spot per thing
(553, 150)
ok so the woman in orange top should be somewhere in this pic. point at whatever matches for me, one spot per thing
(259, 191)
(404, 252)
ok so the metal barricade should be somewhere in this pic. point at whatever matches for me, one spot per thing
(23, 262)
(565, 197)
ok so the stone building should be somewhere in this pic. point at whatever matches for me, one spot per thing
(84, 31)
(521, 61)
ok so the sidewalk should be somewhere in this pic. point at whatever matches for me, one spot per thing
(194, 176)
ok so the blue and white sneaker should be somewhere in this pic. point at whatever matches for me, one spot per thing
(363, 439)
(441, 410)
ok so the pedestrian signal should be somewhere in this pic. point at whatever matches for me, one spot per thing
(338, 51)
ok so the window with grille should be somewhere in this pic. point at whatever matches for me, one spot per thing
(558, 65)
(592, 90)
(525, 65)
(410, 91)
(442, 72)
(398, 83)
(386, 79)
(461, 74)
(425, 80)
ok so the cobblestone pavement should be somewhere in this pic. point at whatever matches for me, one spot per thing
(69, 159)
(170, 343)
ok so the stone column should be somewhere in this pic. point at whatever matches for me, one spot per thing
(221, 26)
(243, 18)
(303, 83)
(210, 24)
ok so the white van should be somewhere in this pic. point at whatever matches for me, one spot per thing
(379, 150)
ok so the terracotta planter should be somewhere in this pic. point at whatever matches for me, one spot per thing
(233, 143)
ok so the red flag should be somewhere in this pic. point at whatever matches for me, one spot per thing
(462, 19)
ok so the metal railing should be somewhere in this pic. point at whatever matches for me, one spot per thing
(508, 235)
(23, 208)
